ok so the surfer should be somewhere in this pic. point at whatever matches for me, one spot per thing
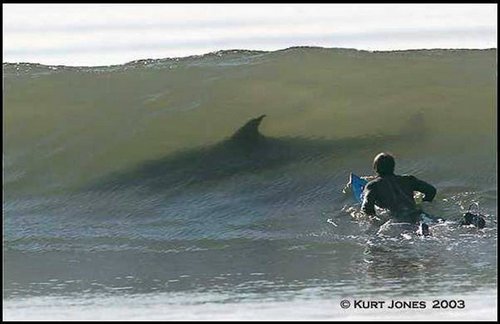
(395, 194)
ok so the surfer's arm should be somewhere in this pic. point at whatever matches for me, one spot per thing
(368, 204)
(427, 189)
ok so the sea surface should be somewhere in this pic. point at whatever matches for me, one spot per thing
(126, 195)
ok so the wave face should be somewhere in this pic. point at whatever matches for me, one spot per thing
(130, 176)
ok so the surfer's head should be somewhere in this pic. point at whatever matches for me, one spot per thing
(384, 164)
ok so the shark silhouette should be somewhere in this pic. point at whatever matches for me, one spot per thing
(246, 151)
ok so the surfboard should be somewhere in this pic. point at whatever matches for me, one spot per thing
(358, 185)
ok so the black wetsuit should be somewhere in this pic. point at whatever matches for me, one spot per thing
(395, 193)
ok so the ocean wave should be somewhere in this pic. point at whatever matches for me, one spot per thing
(179, 150)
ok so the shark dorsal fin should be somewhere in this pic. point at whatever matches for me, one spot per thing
(250, 131)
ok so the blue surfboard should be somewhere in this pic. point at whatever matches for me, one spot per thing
(358, 185)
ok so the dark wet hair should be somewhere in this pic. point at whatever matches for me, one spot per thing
(384, 164)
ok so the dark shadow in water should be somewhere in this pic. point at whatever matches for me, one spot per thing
(246, 151)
